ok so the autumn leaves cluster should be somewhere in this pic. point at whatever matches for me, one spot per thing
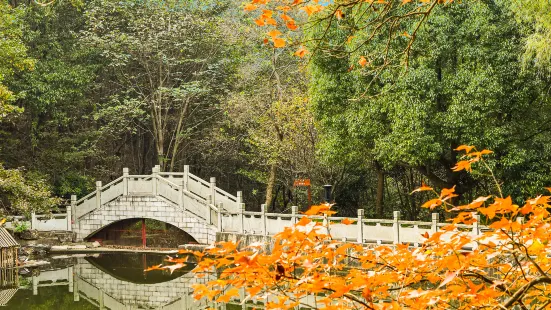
(503, 266)
(281, 15)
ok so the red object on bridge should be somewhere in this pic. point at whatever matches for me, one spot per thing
(143, 234)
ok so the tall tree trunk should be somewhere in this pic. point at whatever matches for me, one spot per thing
(380, 190)
(178, 136)
(270, 185)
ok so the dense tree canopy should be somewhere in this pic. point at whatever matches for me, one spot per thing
(369, 97)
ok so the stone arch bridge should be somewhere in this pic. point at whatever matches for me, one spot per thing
(180, 199)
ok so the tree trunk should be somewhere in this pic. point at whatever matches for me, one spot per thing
(270, 185)
(380, 190)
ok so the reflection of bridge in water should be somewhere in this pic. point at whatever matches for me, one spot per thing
(107, 291)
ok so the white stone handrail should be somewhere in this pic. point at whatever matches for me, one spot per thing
(43, 222)
(227, 212)
(360, 230)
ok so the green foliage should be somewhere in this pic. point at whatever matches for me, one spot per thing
(20, 194)
(21, 227)
(13, 55)
(464, 84)
(168, 60)
(534, 16)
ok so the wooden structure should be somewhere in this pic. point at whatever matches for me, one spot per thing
(8, 250)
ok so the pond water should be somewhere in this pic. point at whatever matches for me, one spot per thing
(103, 281)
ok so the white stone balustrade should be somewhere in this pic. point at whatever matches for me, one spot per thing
(187, 195)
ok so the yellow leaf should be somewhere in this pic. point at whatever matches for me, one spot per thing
(536, 247)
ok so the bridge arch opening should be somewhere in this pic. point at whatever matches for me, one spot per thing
(129, 267)
(137, 232)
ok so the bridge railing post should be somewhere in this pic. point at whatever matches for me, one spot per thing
(35, 285)
(241, 218)
(70, 209)
(213, 190)
(154, 173)
(186, 176)
(239, 197)
(70, 278)
(34, 222)
(263, 219)
(125, 173)
(326, 223)
(360, 226)
(396, 227)
(294, 212)
(434, 225)
(476, 225)
(181, 198)
(209, 210)
(76, 294)
(219, 219)
(98, 194)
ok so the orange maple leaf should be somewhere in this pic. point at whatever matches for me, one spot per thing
(301, 52)
(466, 148)
(463, 165)
(274, 33)
(362, 61)
(347, 221)
(228, 295)
(423, 187)
(291, 25)
(156, 267)
(279, 42)
(433, 203)
(286, 17)
(250, 7)
(311, 9)
(259, 22)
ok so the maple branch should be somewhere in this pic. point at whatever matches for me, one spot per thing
(525, 249)
(544, 305)
(518, 294)
(351, 297)
(414, 34)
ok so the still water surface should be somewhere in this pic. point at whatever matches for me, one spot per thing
(104, 281)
